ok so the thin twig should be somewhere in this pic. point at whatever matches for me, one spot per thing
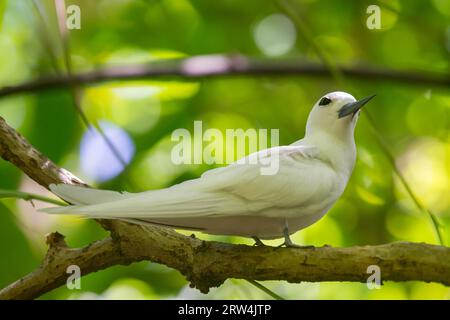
(265, 289)
(29, 196)
(210, 66)
(304, 30)
(43, 28)
(384, 147)
(60, 8)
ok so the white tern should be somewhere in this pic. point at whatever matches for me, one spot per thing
(237, 199)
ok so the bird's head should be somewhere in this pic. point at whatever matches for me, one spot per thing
(335, 113)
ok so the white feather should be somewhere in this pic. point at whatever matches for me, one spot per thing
(238, 199)
(238, 189)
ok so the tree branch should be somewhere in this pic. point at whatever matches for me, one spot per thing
(206, 264)
(17, 150)
(224, 65)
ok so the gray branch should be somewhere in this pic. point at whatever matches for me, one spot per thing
(209, 66)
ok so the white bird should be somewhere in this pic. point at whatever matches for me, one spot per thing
(237, 199)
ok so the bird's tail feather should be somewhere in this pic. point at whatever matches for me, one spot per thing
(157, 204)
(83, 196)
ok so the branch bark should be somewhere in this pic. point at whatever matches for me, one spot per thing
(224, 65)
(206, 264)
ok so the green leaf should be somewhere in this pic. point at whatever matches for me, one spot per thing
(17, 258)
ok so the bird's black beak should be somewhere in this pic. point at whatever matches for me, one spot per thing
(353, 107)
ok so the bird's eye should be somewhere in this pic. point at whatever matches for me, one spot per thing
(324, 101)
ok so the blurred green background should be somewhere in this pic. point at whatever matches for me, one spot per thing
(139, 117)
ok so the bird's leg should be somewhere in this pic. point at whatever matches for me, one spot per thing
(258, 242)
(288, 242)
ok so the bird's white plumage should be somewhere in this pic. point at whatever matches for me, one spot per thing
(238, 199)
(82, 195)
(238, 189)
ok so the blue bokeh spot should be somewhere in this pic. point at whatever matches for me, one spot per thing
(98, 161)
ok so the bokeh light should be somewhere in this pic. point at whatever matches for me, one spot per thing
(425, 166)
(98, 160)
(275, 35)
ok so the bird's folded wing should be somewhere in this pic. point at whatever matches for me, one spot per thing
(238, 189)
(301, 177)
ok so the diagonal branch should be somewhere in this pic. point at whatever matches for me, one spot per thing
(15, 149)
(206, 264)
(224, 65)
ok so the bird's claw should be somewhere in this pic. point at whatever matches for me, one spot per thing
(293, 245)
(258, 242)
(288, 242)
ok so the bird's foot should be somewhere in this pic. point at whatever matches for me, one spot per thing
(258, 242)
(288, 242)
(293, 245)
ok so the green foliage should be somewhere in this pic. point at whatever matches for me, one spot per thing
(413, 120)
(17, 254)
